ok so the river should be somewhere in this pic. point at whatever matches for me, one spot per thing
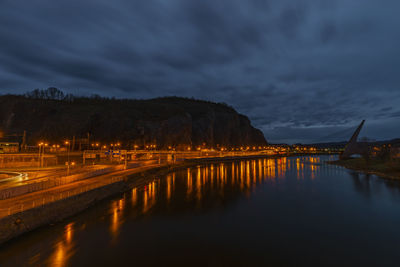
(278, 212)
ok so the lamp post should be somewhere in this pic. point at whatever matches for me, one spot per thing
(126, 160)
(67, 143)
(44, 149)
(40, 155)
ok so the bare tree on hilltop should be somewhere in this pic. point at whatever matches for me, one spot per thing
(50, 93)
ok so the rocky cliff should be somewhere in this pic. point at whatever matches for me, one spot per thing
(169, 121)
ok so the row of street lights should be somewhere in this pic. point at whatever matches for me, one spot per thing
(42, 148)
(117, 145)
(99, 146)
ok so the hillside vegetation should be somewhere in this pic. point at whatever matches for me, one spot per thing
(169, 121)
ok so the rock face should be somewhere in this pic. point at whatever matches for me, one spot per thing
(169, 121)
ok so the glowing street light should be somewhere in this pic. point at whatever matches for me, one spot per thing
(68, 148)
(40, 159)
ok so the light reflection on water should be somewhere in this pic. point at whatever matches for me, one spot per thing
(137, 218)
(63, 249)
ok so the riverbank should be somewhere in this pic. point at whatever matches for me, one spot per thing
(384, 169)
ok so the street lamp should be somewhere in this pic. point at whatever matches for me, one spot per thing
(40, 154)
(67, 143)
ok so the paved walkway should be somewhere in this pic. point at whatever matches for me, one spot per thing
(32, 176)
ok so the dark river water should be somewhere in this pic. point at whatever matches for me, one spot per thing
(295, 211)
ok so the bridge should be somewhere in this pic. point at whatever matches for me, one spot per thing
(354, 147)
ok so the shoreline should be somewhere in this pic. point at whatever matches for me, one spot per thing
(350, 166)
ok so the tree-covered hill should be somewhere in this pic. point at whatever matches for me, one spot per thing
(168, 121)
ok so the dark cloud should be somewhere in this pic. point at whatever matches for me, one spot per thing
(328, 32)
(291, 19)
(297, 69)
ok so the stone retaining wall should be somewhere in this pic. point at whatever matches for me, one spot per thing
(19, 223)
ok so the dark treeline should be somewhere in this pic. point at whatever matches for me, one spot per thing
(53, 93)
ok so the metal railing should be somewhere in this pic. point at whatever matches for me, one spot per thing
(50, 197)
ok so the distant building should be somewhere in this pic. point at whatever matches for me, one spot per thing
(395, 152)
(9, 147)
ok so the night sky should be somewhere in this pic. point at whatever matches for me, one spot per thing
(300, 70)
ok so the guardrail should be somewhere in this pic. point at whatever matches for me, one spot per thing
(55, 196)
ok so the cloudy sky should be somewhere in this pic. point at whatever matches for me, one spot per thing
(301, 70)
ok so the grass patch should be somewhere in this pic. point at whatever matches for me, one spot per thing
(387, 168)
